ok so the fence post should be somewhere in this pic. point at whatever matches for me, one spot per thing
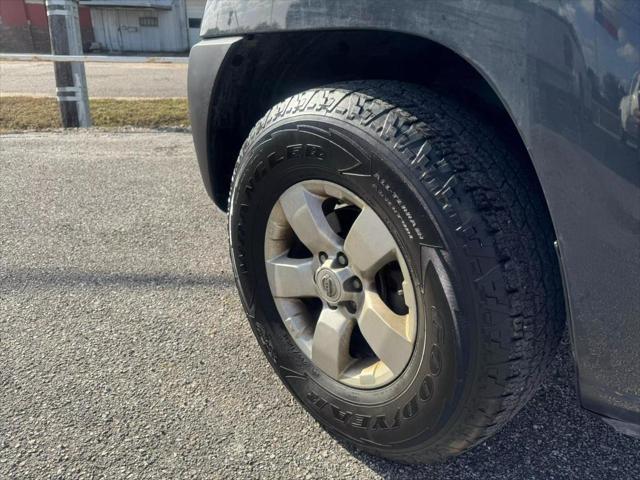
(71, 81)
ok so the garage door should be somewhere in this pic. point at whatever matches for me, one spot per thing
(139, 30)
(195, 9)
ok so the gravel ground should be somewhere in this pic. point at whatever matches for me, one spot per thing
(103, 79)
(124, 352)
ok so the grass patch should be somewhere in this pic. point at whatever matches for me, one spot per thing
(39, 113)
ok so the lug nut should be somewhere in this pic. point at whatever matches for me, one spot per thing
(342, 260)
(351, 307)
(323, 257)
(356, 284)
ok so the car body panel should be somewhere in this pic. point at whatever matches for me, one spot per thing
(562, 70)
(204, 63)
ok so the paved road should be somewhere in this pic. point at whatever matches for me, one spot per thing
(103, 79)
(124, 351)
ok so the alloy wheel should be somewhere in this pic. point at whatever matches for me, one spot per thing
(340, 284)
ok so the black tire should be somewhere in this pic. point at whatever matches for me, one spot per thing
(473, 227)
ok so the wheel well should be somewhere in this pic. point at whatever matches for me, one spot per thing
(264, 69)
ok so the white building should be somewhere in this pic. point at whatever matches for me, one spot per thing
(145, 25)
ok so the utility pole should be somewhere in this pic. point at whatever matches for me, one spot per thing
(71, 81)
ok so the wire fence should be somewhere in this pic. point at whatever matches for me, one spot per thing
(77, 93)
(34, 57)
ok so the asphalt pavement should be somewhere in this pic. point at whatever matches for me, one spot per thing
(124, 352)
(104, 80)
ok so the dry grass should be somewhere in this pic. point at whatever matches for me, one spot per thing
(39, 113)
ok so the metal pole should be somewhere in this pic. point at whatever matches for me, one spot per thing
(71, 81)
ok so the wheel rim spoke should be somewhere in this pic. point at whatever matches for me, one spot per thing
(296, 319)
(303, 210)
(385, 332)
(330, 348)
(291, 277)
(369, 245)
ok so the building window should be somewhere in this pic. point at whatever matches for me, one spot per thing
(195, 22)
(148, 21)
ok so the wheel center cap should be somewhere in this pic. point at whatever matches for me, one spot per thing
(328, 285)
